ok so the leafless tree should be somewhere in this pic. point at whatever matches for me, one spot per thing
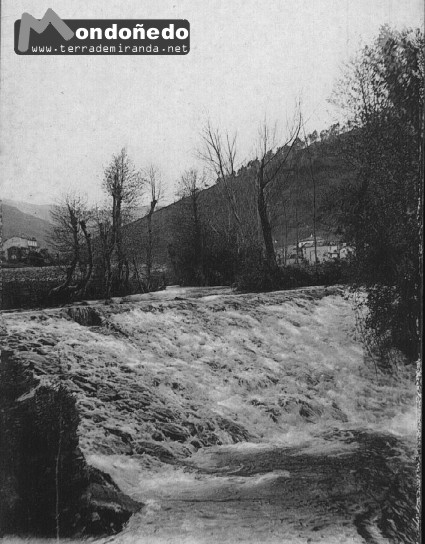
(190, 186)
(102, 226)
(309, 140)
(296, 205)
(218, 151)
(271, 163)
(71, 237)
(153, 182)
(123, 183)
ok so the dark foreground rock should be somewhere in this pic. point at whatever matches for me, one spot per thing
(46, 486)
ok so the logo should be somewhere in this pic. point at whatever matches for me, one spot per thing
(28, 22)
(53, 36)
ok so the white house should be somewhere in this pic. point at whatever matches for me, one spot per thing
(326, 251)
(18, 247)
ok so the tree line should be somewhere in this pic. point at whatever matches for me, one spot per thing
(90, 239)
(214, 241)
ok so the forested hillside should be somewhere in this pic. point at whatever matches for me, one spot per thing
(320, 168)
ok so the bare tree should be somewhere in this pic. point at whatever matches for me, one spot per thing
(71, 238)
(123, 183)
(89, 268)
(270, 167)
(153, 181)
(219, 153)
(102, 224)
(308, 141)
(296, 205)
(190, 186)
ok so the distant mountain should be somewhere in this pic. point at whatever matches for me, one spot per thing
(34, 220)
(41, 211)
(17, 223)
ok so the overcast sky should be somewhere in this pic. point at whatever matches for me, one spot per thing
(62, 118)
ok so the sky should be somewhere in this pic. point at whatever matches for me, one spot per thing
(62, 118)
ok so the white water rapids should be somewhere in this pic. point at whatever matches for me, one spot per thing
(328, 454)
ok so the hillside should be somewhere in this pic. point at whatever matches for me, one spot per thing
(16, 223)
(290, 207)
(41, 211)
(232, 418)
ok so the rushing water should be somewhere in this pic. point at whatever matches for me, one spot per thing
(329, 448)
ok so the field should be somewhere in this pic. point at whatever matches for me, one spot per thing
(28, 287)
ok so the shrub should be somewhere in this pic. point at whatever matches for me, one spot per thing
(258, 277)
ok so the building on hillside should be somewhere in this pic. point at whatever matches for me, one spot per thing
(17, 248)
(327, 250)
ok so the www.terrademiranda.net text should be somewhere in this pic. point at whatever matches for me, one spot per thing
(102, 49)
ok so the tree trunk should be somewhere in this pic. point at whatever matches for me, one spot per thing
(120, 252)
(149, 249)
(313, 180)
(297, 234)
(142, 287)
(199, 263)
(108, 277)
(76, 258)
(82, 288)
(286, 242)
(149, 254)
(115, 243)
(314, 220)
(265, 223)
